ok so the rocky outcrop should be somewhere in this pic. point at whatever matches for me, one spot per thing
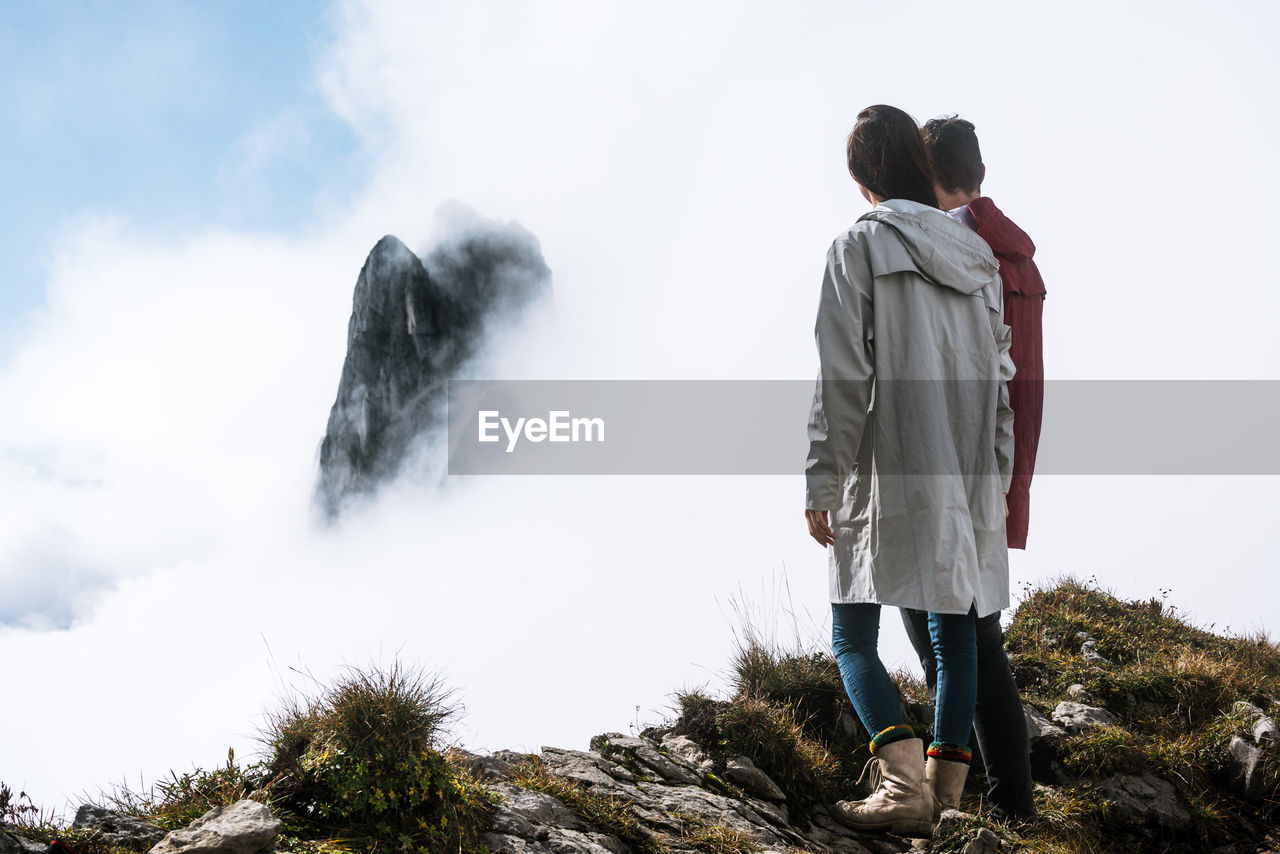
(1077, 716)
(982, 840)
(414, 325)
(245, 827)
(1143, 800)
(1262, 726)
(14, 843)
(116, 829)
(667, 786)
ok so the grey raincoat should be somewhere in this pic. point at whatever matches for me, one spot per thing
(911, 434)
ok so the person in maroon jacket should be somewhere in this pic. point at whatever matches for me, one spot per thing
(999, 719)
(957, 160)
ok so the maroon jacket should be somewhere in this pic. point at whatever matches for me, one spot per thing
(1023, 308)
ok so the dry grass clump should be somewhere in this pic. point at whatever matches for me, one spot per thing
(806, 680)
(1162, 665)
(171, 803)
(789, 713)
(1173, 687)
(358, 764)
(774, 737)
(697, 834)
(363, 758)
(771, 735)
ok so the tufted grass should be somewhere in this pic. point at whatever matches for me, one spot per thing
(788, 711)
(363, 759)
(357, 765)
(1173, 687)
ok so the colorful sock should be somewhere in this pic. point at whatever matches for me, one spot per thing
(888, 736)
(951, 752)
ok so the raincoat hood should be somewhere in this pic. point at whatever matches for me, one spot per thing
(1005, 237)
(932, 244)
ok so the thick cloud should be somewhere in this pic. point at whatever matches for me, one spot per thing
(681, 167)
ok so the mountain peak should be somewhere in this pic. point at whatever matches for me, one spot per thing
(413, 326)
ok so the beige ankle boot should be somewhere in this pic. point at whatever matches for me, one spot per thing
(902, 803)
(946, 781)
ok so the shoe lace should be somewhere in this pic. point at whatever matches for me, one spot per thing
(872, 770)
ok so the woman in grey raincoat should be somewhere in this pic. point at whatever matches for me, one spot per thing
(910, 455)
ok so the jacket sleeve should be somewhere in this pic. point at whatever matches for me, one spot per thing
(845, 374)
(1004, 412)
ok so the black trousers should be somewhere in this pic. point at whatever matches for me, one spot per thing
(999, 722)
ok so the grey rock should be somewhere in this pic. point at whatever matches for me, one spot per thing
(1245, 764)
(656, 796)
(1143, 799)
(717, 809)
(1265, 731)
(950, 821)
(492, 767)
(1089, 649)
(688, 750)
(522, 806)
(245, 827)
(564, 841)
(590, 768)
(850, 726)
(507, 844)
(11, 843)
(1038, 726)
(114, 828)
(672, 768)
(1244, 707)
(1263, 726)
(413, 326)
(543, 823)
(984, 841)
(775, 812)
(1078, 716)
(741, 771)
(827, 831)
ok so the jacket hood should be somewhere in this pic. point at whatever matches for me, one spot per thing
(1006, 238)
(939, 248)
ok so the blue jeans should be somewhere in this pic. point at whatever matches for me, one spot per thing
(855, 635)
(955, 650)
(999, 723)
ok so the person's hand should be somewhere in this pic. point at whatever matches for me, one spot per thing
(1006, 507)
(820, 527)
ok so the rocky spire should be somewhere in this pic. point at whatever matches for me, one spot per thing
(413, 326)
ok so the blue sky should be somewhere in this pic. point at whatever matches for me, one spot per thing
(171, 114)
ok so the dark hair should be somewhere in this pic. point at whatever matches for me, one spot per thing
(888, 157)
(953, 148)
